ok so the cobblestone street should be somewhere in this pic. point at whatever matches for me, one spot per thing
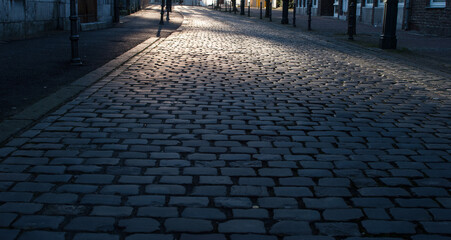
(237, 129)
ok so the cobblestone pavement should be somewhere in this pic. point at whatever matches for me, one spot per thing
(238, 129)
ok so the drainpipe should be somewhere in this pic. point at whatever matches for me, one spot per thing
(406, 17)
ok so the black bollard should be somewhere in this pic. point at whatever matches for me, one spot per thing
(261, 10)
(74, 37)
(284, 12)
(242, 8)
(116, 17)
(267, 8)
(352, 12)
(270, 11)
(167, 12)
(388, 37)
(169, 5)
(309, 13)
(162, 13)
(294, 12)
(249, 8)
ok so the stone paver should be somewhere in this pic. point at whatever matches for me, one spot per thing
(238, 129)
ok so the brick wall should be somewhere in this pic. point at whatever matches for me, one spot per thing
(431, 20)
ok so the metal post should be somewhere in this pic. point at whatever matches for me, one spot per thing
(162, 13)
(167, 10)
(294, 12)
(74, 37)
(230, 9)
(261, 10)
(116, 17)
(284, 12)
(169, 5)
(268, 5)
(234, 6)
(309, 13)
(127, 5)
(270, 11)
(242, 7)
(352, 12)
(249, 8)
(388, 37)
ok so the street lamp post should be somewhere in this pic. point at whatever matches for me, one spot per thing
(74, 37)
(388, 37)
(294, 12)
(242, 7)
(352, 14)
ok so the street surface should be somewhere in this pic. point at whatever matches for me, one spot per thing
(238, 129)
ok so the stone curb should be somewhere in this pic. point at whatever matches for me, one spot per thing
(23, 120)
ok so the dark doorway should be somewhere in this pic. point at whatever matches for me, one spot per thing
(327, 7)
(87, 10)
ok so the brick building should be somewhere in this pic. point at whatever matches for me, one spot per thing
(429, 16)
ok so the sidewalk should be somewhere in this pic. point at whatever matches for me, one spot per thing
(421, 49)
(34, 68)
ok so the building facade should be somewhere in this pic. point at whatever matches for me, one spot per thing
(427, 16)
(24, 18)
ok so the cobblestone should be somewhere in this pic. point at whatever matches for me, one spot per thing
(235, 128)
(187, 225)
(242, 226)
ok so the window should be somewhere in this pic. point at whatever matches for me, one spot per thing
(369, 2)
(438, 3)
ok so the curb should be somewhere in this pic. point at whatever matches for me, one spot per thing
(25, 119)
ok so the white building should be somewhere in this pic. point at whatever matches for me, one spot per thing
(370, 12)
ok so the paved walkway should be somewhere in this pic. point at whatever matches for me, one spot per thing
(235, 129)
